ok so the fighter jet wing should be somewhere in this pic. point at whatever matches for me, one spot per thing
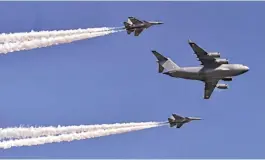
(179, 125)
(209, 88)
(129, 31)
(134, 20)
(172, 124)
(137, 32)
(202, 55)
(177, 117)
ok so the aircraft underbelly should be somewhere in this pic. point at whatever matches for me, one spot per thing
(188, 75)
(219, 74)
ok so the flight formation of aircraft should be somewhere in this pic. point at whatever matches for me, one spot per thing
(212, 69)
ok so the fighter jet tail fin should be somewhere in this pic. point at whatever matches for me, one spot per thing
(170, 121)
(165, 63)
(126, 24)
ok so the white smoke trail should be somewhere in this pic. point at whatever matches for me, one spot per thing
(28, 36)
(26, 132)
(73, 136)
(45, 42)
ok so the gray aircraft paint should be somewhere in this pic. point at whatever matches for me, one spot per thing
(206, 73)
(137, 26)
(210, 72)
(178, 121)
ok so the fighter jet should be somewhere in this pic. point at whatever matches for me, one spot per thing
(212, 69)
(178, 121)
(137, 26)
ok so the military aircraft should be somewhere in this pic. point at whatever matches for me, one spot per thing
(212, 69)
(137, 26)
(178, 121)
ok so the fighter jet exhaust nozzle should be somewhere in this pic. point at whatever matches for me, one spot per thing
(222, 86)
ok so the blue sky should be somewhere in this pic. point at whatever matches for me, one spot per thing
(114, 79)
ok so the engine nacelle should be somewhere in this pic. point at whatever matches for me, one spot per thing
(222, 86)
(227, 79)
(222, 61)
(214, 54)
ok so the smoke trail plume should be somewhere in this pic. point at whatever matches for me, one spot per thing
(73, 136)
(28, 36)
(45, 42)
(26, 132)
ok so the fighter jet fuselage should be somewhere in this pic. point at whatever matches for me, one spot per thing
(143, 25)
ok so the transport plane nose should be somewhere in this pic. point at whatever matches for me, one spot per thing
(245, 68)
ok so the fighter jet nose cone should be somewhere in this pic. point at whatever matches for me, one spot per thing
(157, 23)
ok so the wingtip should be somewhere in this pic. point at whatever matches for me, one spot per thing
(190, 41)
(154, 51)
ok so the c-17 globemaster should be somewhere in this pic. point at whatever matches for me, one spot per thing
(178, 121)
(212, 69)
(137, 26)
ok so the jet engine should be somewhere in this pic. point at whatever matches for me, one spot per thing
(222, 86)
(222, 61)
(214, 54)
(227, 79)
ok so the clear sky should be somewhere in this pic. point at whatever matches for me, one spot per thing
(114, 79)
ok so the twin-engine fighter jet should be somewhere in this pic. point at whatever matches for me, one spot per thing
(212, 69)
(137, 26)
(178, 121)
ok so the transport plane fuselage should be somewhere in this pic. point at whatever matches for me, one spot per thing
(204, 73)
(213, 68)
